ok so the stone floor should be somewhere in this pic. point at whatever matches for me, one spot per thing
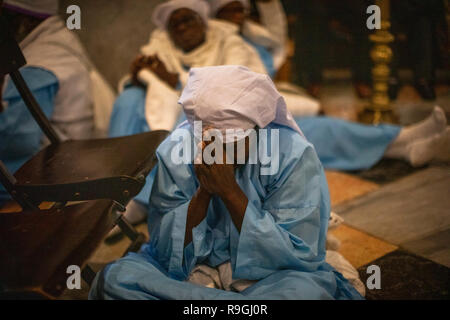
(412, 213)
(396, 217)
(401, 222)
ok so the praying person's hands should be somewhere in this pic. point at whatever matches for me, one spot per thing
(217, 179)
(154, 64)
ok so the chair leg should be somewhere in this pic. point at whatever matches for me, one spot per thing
(88, 274)
(8, 181)
(137, 238)
(137, 243)
(127, 228)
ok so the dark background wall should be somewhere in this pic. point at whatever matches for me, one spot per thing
(113, 31)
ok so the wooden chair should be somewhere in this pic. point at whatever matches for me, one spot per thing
(36, 246)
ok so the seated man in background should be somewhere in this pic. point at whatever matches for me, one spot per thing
(66, 85)
(261, 226)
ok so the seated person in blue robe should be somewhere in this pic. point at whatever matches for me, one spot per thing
(262, 222)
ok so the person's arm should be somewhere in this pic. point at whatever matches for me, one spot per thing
(236, 202)
(198, 208)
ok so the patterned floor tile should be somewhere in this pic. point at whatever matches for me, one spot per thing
(358, 247)
(344, 187)
(409, 209)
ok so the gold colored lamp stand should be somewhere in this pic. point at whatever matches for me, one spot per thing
(380, 109)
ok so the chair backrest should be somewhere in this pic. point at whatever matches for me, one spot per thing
(11, 59)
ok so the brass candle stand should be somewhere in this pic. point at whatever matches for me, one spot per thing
(380, 110)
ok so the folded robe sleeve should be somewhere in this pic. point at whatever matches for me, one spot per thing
(286, 229)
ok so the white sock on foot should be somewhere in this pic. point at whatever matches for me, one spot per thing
(432, 125)
(420, 152)
(426, 150)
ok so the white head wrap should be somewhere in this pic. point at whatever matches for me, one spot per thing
(162, 12)
(233, 97)
(35, 8)
(216, 5)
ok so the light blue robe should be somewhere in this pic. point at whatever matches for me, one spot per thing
(345, 145)
(20, 135)
(281, 243)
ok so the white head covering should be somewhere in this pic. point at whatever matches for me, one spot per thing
(233, 97)
(216, 5)
(162, 12)
(36, 8)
